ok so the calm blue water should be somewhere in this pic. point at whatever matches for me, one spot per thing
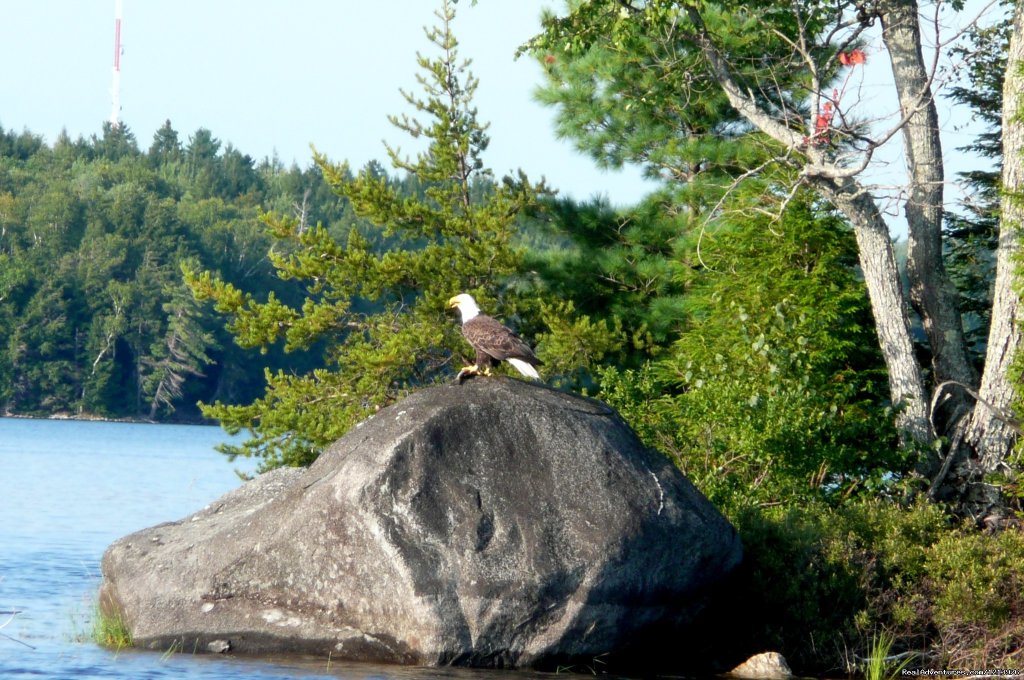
(68, 489)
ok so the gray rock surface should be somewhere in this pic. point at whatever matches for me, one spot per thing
(494, 523)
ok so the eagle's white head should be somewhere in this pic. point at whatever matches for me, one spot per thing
(466, 304)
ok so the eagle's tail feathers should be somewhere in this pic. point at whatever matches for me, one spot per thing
(524, 368)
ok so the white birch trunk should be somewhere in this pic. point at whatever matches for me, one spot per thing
(888, 305)
(988, 433)
(932, 294)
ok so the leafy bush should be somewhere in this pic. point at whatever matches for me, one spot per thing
(824, 584)
(773, 388)
(974, 593)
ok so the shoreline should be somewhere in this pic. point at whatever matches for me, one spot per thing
(93, 418)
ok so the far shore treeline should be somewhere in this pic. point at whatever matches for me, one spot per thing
(94, 314)
(849, 405)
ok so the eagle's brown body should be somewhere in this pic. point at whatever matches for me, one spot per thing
(494, 343)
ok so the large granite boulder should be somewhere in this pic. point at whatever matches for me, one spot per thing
(493, 523)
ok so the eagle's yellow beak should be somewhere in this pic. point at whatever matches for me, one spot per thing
(453, 302)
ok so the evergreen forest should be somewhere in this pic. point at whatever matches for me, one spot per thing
(848, 401)
(95, 317)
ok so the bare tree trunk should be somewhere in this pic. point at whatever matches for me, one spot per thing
(302, 211)
(888, 305)
(988, 433)
(932, 294)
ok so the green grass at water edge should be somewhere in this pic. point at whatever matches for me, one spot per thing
(880, 665)
(111, 630)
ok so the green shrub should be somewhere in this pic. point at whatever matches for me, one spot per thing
(796, 595)
(974, 593)
(823, 585)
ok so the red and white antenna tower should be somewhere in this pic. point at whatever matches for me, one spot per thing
(115, 88)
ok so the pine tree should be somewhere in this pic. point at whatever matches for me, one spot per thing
(629, 264)
(375, 300)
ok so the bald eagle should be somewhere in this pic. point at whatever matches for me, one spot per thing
(492, 341)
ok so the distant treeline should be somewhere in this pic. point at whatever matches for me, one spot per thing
(94, 316)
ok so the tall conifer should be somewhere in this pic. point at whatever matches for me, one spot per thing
(375, 301)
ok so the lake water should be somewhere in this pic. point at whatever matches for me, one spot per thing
(68, 489)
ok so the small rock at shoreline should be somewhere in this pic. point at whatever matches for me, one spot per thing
(764, 666)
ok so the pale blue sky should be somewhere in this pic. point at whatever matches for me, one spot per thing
(272, 76)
